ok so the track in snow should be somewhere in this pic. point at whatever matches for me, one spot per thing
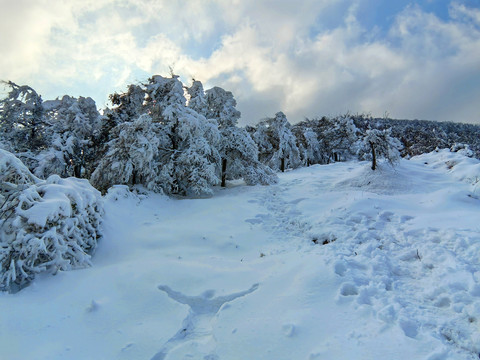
(196, 333)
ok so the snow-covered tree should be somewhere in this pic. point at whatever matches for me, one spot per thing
(239, 154)
(51, 137)
(74, 124)
(261, 136)
(222, 106)
(132, 156)
(197, 100)
(191, 167)
(157, 141)
(277, 143)
(309, 146)
(378, 143)
(342, 138)
(22, 122)
(44, 225)
(127, 106)
(190, 158)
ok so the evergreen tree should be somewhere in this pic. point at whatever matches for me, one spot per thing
(342, 138)
(190, 158)
(239, 154)
(22, 123)
(197, 100)
(127, 106)
(131, 157)
(277, 143)
(74, 125)
(378, 143)
(261, 136)
(313, 151)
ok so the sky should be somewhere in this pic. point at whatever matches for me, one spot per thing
(310, 58)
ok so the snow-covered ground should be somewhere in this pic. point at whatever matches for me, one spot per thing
(334, 262)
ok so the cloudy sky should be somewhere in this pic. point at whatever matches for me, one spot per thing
(410, 59)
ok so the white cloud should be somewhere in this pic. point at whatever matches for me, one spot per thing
(263, 51)
(423, 69)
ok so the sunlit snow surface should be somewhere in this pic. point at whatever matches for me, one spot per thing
(245, 274)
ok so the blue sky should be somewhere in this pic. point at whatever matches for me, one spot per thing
(410, 59)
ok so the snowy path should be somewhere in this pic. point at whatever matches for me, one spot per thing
(346, 265)
(423, 280)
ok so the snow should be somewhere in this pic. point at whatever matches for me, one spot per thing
(245, 275)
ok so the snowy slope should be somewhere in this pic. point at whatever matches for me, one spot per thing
(245, 274)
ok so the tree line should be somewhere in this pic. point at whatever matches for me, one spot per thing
(183, 140)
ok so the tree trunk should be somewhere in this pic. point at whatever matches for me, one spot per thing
(282, 165)
(374, 157)
(77, 171)
(224, 172)
(134, 177)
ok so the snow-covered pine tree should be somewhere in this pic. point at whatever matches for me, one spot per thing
(378, 143)
(277, 131)
(127, 106)
(197, 100)
(309, 146)
(314, 153)
(74, 125)
(22, 123)
(132, 155)
(181, 156)
(189, 160)
(261, 136)
(323, 128)
(342, 138)
(239, 153)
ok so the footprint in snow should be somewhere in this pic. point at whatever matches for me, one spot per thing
(340, 268)
(258, 219)
(386, 216)
(406, 218)
(409, 327)
(348, 289)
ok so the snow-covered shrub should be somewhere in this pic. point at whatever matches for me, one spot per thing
(463, 149)
(13, 173)
(44, 225)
